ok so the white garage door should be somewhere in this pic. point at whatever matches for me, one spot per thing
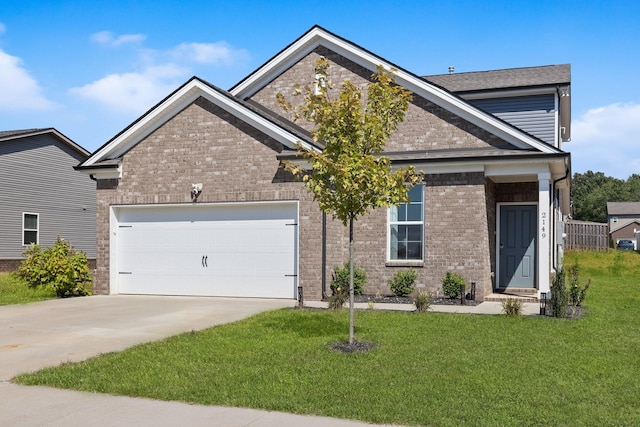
(239, 250)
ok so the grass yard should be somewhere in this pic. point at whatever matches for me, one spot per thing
(427, 369)
(14, 290)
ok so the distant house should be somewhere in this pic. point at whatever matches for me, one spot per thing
(624, 221)
(42, 196)
(192, 198)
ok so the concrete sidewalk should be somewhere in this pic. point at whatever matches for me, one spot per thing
(487, 307)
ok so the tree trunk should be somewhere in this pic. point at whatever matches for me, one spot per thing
(351, 290)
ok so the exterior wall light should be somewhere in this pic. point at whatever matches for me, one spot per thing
(196, 189)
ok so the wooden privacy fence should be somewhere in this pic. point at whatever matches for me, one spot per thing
(587, 235)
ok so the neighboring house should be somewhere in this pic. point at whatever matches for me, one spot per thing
(42, 196)
(192, 198)
(624, 221)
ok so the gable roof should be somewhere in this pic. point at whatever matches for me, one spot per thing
(512, 78)
(271, 124)
(624, 224)
(318, 36)
(623, 208)
(11, 135)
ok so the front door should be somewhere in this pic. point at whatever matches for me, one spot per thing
(517, 246)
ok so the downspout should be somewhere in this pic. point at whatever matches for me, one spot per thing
(554, 224)
(324, 255)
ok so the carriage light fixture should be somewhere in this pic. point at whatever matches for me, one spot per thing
(196, 189)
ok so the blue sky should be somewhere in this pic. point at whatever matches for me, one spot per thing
(90, 68)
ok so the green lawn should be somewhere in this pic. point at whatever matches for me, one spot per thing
(14, 290)
(431, 368)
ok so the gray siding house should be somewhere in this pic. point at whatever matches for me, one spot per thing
(192, 198)
(42, 196)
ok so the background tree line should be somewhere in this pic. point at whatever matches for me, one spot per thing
(590, 192)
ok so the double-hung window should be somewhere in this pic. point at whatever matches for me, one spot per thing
(30, 224)
(406, 228)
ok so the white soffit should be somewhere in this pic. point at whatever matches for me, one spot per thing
(171, 106)
(318, 36)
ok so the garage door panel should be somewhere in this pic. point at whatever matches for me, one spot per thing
(250, 253)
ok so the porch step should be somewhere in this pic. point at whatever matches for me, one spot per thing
(526, 296)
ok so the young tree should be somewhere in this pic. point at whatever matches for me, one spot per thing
(349, 177)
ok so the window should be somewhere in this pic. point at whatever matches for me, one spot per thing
(29, 229)
(406, 227)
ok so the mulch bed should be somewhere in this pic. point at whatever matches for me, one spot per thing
(392, 299)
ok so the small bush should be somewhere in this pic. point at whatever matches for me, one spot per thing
(340, 280)
(337, 300)
(59, 267)
(451, 284)
(512, 307)
(577, 293)
(423, 301)
(403, 282)
(559, 300)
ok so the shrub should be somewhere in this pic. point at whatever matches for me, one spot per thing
(340, 280)
(59, 267)
(577, 293)
(403, 282)
(451, 284)
(559, 300)
(423, 301)
(512, 307)
(337, 300)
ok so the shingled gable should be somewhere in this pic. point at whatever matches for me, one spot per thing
(318, 36)
(104, 163)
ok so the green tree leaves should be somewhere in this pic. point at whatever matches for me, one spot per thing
(349, 176)
(591, 191)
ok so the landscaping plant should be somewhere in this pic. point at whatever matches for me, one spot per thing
(577, 293)
(512, 307)
(451, 283)
(59, 267)
(559, 300)
(423, 301)
(403, 282)
(340, 280)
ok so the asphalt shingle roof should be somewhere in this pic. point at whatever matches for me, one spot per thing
(623, 208)
(503, 79)
(13, 133)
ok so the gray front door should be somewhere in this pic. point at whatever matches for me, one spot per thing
(517, 246)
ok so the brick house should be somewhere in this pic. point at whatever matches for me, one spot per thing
(192, 199)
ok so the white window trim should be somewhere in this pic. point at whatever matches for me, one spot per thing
(37, 229)
(390, 223)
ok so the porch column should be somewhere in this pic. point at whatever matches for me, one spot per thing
(544, 229)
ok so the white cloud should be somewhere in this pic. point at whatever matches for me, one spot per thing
(606, 139)
(132, 92)
(18, 90)
(109, 39)
(208, 53)
(158, 72)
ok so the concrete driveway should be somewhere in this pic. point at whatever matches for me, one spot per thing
(38, 335)
(44, 334)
